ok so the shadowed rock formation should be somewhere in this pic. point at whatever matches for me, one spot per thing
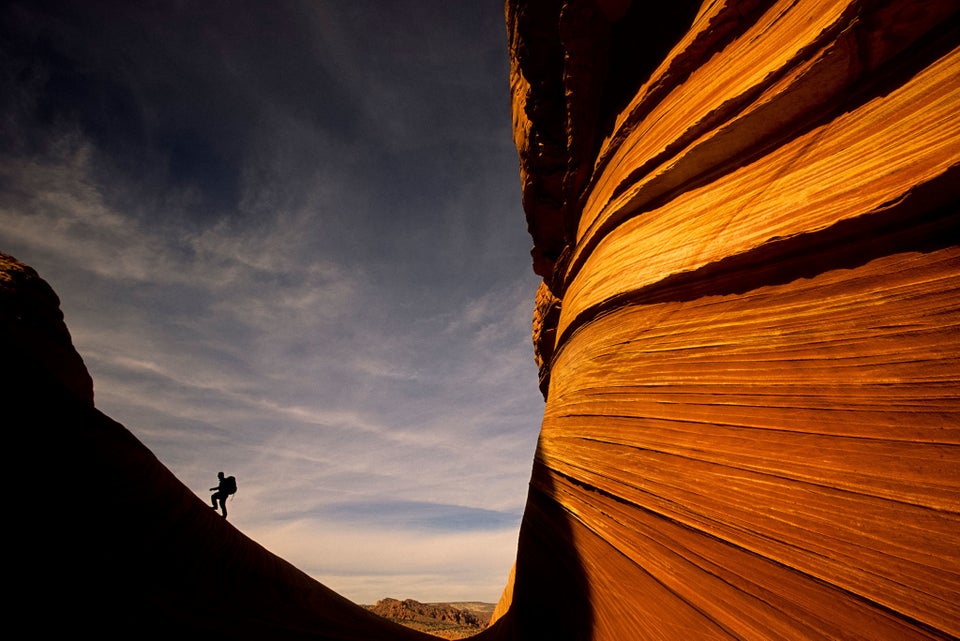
(746, 217)
(105, 539)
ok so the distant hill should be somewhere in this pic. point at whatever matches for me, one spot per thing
(447, 620)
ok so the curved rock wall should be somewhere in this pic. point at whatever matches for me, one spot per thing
(752, 426)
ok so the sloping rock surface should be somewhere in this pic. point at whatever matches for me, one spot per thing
(106, 538)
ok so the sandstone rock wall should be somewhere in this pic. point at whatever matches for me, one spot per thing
(752, 426)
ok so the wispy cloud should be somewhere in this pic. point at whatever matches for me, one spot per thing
(306, 266)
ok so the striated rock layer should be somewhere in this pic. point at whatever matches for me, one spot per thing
(749, 328)
(748, 334)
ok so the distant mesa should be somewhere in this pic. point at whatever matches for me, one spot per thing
(447, 620)
(745, 214)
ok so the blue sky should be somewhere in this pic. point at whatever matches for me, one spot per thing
(288, 242)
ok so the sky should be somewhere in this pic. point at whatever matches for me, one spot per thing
(288, 242)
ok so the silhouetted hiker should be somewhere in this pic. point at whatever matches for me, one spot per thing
(226, 487)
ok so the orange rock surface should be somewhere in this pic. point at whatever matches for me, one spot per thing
(746, 217)
(753, 401)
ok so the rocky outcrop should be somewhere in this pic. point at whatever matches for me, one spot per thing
(33, 329)
(436, 618)
(748, 338)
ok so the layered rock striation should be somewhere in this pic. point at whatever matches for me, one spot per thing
(748, 327)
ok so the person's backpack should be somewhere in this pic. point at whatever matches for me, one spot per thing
(230, 485)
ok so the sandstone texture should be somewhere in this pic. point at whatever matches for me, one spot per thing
(745, 214)
(750, 347)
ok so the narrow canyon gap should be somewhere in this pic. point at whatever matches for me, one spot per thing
(745, 215)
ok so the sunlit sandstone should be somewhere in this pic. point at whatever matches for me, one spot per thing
(748, 336)
(753, 384)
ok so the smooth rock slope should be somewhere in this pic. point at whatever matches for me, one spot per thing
(104, 539)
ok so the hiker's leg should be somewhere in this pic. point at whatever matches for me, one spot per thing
(213, 499)
(223, 506)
